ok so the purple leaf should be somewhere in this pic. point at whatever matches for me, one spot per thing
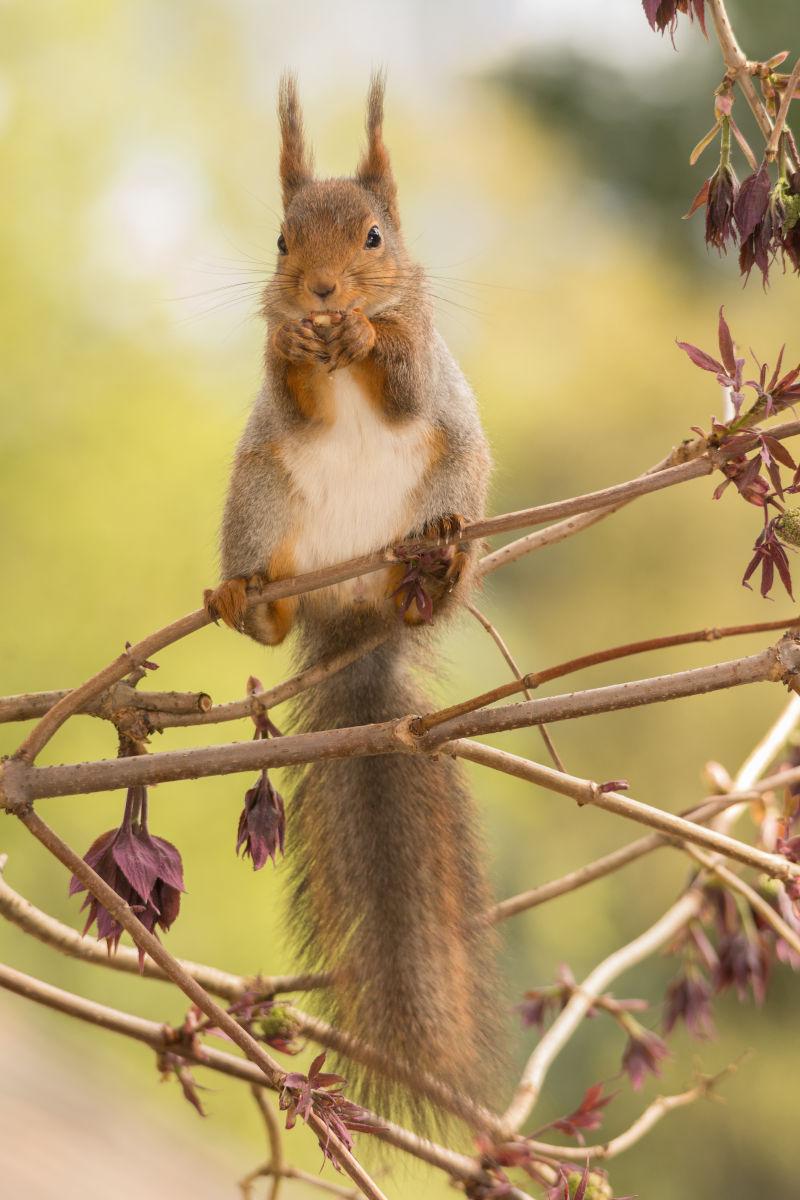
(751, 203)
(701, 359)
(726, 345)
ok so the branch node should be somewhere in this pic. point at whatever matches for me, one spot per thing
(14, 775)
(409, 731)
(787, 660)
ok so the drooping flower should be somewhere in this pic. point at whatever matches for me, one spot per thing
(688, 999)
(643, 1053)
(262, 824)
(145, 871)
(743, 964)
(751, 202)
(426, 576)
(718, 194)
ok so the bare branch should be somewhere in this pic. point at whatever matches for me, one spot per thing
(783, 112)
(500, 642)
(534, 679)
(585, 791)
(737, 64)
(21, 783)
(119, 697)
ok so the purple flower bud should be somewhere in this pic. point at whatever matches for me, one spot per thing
(643, 1053)
(743, 963)
(145, 871)
(688, 999)
(262, 825)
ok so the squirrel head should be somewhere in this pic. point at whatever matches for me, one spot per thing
(340, 244)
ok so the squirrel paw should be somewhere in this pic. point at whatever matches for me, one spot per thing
(443, 530)
(229, 601)
(430, 577)
(349, 340)
(298, 342)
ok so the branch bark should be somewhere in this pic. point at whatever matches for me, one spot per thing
(585, 791)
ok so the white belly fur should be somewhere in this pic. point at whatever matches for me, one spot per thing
(355, 478)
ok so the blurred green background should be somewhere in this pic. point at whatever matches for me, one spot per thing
(541, 149)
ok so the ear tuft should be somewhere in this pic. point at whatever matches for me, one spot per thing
(295, 162)
(375, 171)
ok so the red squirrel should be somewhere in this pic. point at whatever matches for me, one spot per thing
(365, 434)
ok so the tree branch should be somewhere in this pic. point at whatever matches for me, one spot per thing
(21, 783)
(585, 791)
(737, 64)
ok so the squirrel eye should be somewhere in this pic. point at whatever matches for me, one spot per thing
(282, 247)
(373, 238)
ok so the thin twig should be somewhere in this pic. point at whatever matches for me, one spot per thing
(502, 646)
(275, 1167)
(534, 679)
(655, 1112)
(271, 697)
(783, 113)
(737, 64)
(585, 791)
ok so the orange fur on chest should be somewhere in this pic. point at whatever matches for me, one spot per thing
(312, 388)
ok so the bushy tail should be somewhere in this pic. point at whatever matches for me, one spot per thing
(389, 890)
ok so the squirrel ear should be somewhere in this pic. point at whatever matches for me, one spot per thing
(374, 171)
(296, 163)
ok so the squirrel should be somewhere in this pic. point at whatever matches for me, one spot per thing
(366, 434)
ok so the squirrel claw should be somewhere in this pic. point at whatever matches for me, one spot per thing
(228, 602)
(444, 529)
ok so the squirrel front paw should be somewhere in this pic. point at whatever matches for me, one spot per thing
(228, 602)
(298, 342)
(444, 529)
(348, 340)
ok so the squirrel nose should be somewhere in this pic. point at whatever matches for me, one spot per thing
(322, 286)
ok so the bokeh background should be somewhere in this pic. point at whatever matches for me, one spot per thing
(541, 148)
